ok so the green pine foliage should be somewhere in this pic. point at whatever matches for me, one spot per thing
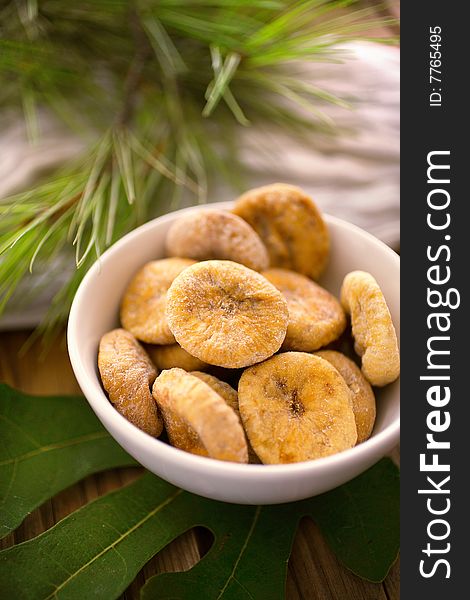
(159, 90)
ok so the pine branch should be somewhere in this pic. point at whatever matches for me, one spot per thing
(164, 85)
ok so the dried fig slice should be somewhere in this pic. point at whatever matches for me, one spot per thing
(363, 399)
(217, 234)
(224, 390)
(226, 314)
(231, 398)
(127, 375)
(197, 419)
(296, 406)
(290, 225)
(316, 318)
(375, 339)
(167, 357)
(144, 301)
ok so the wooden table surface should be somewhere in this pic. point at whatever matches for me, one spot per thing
(314, 573)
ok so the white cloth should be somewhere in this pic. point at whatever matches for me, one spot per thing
(354, 175)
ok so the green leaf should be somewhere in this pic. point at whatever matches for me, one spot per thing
(248, 559)
(47, 444)
(360, 520)
(97, 551)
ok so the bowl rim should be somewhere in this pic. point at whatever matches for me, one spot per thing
(379, 443)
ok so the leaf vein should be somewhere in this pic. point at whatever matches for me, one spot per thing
(245, 544)
(59, 445)
(115, 543)
(10, 483)
(244, 588)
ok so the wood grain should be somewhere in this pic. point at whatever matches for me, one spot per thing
(314, 572)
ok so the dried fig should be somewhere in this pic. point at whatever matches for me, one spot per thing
(217, 234)
(144, 301)
(127, 375)
(197, 419)
(296, 406)
(167, 357)
(363, 399)
(290, 225)
(226, 314)
(374, 335)
(316, 318)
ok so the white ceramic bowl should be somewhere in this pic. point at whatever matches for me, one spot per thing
(95, 310)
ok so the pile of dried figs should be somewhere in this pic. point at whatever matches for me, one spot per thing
(236, 301)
